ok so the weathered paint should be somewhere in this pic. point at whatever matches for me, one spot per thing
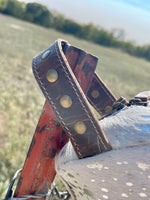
(39, 168)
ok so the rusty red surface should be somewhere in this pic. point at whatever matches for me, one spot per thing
(39, 168)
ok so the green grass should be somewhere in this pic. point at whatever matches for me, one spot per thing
(21, 100)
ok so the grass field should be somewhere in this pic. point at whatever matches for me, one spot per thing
(21, 100)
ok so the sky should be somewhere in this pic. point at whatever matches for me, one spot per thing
(132, 16)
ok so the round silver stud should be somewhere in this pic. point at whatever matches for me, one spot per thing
(65, 101)
(95, 94)
(45, 54)
(52, 75)
(80, 127)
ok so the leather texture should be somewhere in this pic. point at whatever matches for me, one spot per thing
(100, 97)
(92, 141)
(49, 138)
(39, 168)
(98, 94)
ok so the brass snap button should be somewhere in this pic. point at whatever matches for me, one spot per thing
(80, 127)
(66, 101)
(52, 75)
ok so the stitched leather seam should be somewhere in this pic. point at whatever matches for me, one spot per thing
(55, 108)
(104, 89)
(96, 107)
(82, 104)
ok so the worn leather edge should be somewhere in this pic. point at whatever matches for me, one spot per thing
(98, 94)
(100, 97)
(100, 144)
(49, 137)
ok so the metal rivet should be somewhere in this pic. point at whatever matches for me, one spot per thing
(108, 109)
(95, 94)
(45, 54)
(52, 75)
(80, 127)
(65, 101)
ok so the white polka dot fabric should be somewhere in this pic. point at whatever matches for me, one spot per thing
(122, 173)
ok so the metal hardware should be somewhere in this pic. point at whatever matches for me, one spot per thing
(53, 194)
(10, 191)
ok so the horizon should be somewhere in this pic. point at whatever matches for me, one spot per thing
(131, 16)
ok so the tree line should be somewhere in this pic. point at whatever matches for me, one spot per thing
(40, 14)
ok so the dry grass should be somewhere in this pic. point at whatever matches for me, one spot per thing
(21, 100)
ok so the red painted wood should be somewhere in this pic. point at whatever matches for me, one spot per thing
(39, 168)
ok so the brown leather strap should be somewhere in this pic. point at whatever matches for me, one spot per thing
(63, 92)
(144, 97)
(39, 168)
(100, 97)
(82, 64)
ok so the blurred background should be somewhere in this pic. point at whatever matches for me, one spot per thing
(116, 31)
(129, 16)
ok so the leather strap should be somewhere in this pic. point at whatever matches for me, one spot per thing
(144, 97)
(39, 168)
(59, 84)
(99, 96)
